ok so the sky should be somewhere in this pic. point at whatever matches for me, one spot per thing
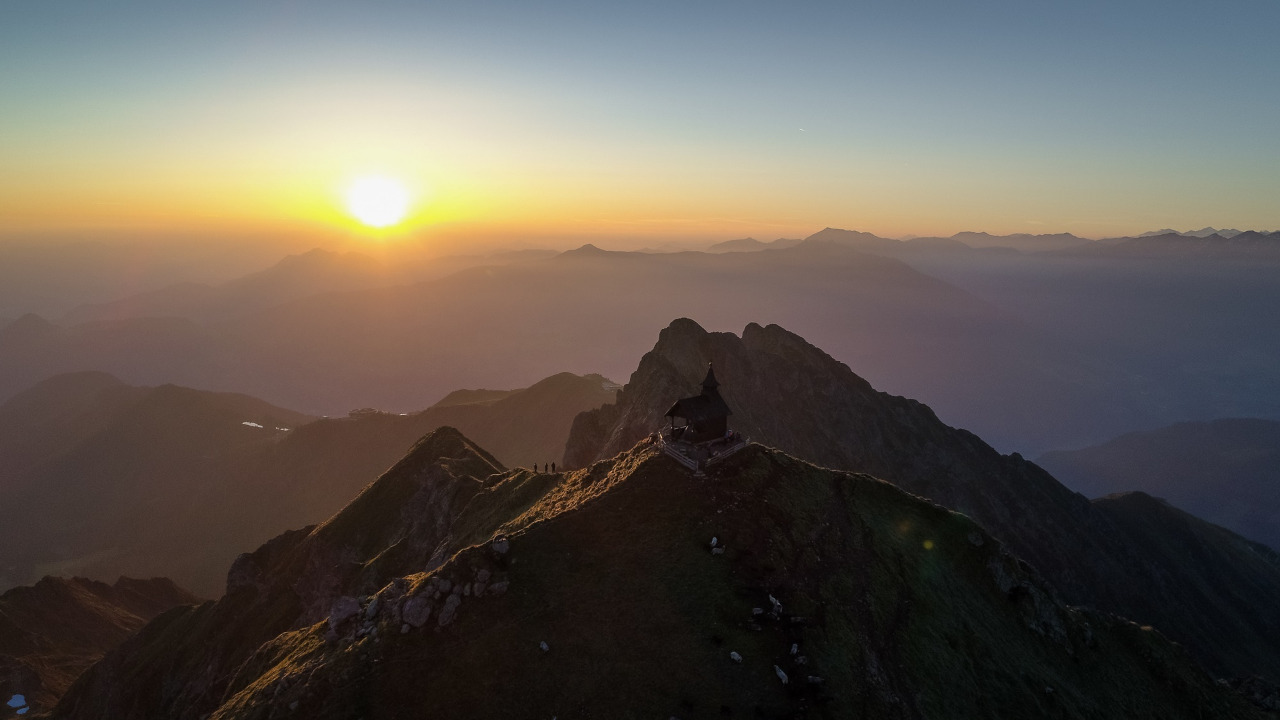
(639, 121)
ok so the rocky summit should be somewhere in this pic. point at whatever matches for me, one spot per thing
(1220, 598)
(771, 587)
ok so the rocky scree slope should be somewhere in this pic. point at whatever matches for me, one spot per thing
(787, 393)
(52, 631)
(453, 588)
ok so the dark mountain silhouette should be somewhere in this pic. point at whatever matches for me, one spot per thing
(1203, 233)
(50, 276)
(1021, 241)
(51, 632)
(101, 478)
(959, 242)
(1225, 471)
(293, 277)
(1250, 245)
(788, 394)
(315, 272)
(751, 245)
(456, 588)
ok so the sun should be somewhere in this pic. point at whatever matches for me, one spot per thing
(377, 201)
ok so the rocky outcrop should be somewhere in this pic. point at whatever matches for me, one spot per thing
(790, 395)
(54, 630)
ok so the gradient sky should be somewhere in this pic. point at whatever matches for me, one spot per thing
(663, 120)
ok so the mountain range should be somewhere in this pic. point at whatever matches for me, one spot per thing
(175, 481)
(1059, 347)
(1226, 471)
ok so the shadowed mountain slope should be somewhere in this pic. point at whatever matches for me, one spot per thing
(1167, 540)
(452, 588)
(1225, 471)
(786, 393)
(101, 478)
(51, 632)
(295, 276)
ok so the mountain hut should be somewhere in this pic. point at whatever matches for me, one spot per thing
(705, 416)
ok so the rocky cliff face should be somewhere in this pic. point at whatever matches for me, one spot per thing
(54, 630)
(773, 588)
(788, 394)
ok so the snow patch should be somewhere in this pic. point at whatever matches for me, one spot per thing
(251, 424)
(283, 429)
(17, 701)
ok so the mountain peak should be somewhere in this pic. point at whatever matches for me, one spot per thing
(28, 328)
(788, 394)
(586, 250)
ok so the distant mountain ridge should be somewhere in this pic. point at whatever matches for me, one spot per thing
(870, 242)
(772, 588)
(1226, 471)
(1201, 233)
(1060, 348)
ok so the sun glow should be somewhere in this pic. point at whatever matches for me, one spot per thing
(377, 201)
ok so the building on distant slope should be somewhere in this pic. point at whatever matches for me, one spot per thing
(705, 416)
(703, 438)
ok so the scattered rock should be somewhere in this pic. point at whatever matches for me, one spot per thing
(735, 657)
(449, 610)
(781, 675)
(757, 611)
(293, 706)
(404, 629)
(975, 539)
(717, 551)
(483, 575)
(545, 647)
(371, 612)
(795, 648)
(802, 660)
(416, 610)
(501, 545)
(814, 680)
(499, 587)
(342, 610)
(714, 542)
